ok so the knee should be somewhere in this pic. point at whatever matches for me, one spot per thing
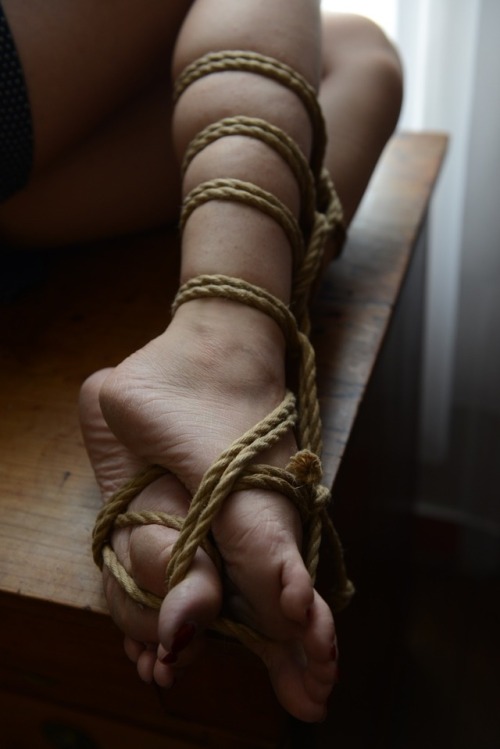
(346, 35)
(355, 43)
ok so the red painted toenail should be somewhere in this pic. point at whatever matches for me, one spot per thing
(183, 637)
(181, 640)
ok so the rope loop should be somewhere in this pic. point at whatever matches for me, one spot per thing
(236, 469)
(253, 196)
(243, 61)
(273, 137)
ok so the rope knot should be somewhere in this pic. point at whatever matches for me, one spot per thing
(306, 467)
(321, 498)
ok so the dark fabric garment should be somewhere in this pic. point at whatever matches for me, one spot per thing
(16, 133)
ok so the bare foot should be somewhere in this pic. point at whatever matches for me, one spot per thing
(215, 372)
(144, 552)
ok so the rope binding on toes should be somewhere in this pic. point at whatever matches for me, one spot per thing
(320, 218)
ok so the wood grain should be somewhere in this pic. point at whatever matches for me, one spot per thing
(96, 306)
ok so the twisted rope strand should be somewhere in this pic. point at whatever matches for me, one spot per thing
(119, 502)
(237, 290)
(219, 481)
(272, 136)
(253, 62)
(253, 196)
(142, 597)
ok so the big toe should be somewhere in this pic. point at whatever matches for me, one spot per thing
(188, 609)
(304, 671)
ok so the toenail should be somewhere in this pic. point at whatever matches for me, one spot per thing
(180, 641)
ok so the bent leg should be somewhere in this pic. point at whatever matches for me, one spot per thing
(207, 381)
(220, 366)
(97, 76)
(361, 95)
(85, 60)
(123, 178)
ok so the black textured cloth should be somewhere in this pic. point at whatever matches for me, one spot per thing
(16, 133)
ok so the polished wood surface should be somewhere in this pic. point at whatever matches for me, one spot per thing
(95, 306)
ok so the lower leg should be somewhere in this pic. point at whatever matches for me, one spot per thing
(229, 238)
(123, 177)
(237, 371)
(201, 359)
(232, 359)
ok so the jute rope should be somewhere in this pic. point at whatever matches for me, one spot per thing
(253, 62)
(300, 482)
(236, 190)
(275, 138)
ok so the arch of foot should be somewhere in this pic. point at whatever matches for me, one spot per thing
(320, 217)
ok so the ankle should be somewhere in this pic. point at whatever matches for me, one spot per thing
(232, 343)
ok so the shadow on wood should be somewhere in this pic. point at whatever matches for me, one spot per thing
(61, 660)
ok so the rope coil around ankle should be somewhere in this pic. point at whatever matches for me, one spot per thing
(300, 482)
(237, 290)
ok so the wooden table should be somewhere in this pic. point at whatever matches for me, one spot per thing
(63, 676)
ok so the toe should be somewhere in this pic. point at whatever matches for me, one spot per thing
(319, 636)
(133, 648)
(304, 672)
(295, 687)
(297, 593)
(191, 606)
(146, 664)
(137, 622)
(163, 674)
(319, 684)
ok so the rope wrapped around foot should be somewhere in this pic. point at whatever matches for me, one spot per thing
(321, 218)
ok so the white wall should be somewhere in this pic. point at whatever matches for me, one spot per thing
(451, 55)
(475, 453)
(383, 12)
(451, 51)
(478, 354)
(438, 41)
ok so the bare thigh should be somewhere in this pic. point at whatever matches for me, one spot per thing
(123, 177)
(84, 60)
(98, 79)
